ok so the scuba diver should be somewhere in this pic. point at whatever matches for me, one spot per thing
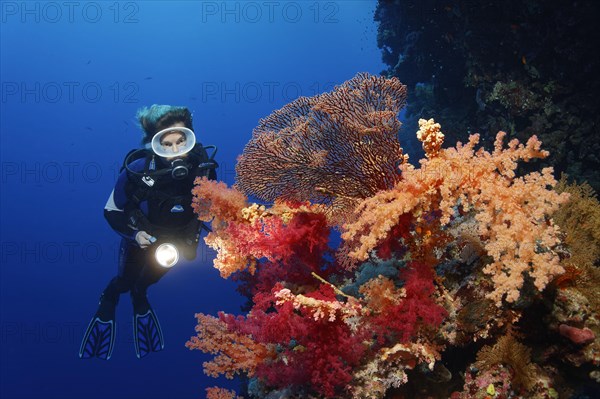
(150, 207)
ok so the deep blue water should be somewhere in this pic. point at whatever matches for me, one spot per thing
(73, 75)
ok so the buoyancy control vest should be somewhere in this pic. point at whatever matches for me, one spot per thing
(164, 191)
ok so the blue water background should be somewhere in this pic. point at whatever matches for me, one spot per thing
(73, 75)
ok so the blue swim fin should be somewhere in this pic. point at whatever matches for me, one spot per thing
(147, 334)
(99, 338)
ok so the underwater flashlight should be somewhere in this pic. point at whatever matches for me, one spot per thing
(167, 255)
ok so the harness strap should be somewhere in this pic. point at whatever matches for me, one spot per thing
(143, 183)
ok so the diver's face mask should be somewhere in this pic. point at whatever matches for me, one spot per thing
(173, 144)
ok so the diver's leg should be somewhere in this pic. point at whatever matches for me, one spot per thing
(99, 337)
(150, 274)
(148, 335)
(129, 269)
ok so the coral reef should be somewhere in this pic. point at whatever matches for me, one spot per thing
(451, 280)
(526, 67)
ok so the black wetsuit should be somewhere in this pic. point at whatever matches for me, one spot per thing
(164, 211)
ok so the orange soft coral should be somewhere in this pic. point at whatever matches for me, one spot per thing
(236, 353)
(214, 199)
(512, 212)
(320, 308)
(381, 293)
(431, 136)
(221, 393)
(215, 202)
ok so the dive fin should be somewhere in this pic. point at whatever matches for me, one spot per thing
(147, 335)
(99, 339)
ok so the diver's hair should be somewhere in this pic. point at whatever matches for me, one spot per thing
(158, 117)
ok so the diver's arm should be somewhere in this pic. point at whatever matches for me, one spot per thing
(114, 210)
(117, 219)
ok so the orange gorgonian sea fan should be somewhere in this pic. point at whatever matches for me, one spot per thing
(335, 148)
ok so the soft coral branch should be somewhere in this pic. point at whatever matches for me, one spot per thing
(236, 353)
(400, 314)
(317, 346)
(513, 213)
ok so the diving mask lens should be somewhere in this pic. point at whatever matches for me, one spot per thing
(173, 142)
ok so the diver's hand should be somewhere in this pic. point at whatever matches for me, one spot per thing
(144, 239)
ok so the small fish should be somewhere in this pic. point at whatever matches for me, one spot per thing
(148, 78)
(89, 128)
(89, 62)
(523, 60)
(125, 122)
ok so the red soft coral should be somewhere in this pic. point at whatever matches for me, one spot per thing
(292, 250)
(402, 318)
(393, 244)
(315, 353)
(304, 237)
